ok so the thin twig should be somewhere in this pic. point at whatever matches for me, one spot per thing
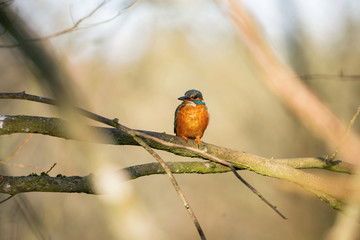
(51, 168)
(340, 76)
(8, 198)
(114, 123)
(115, 16)
(175, 184)
(26, 140)
(273, 207)
(346, 134)
(76, 25)
(22, 165)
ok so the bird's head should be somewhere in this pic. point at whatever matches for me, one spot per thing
(192, 95)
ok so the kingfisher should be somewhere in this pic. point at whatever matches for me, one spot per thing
(191, 116)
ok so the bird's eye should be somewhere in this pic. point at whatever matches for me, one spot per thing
(191, 96)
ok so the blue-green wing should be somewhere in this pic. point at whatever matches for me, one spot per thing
(176, 112)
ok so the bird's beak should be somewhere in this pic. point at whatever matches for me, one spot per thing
(184, 98)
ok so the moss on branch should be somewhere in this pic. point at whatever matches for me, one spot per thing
(56, 127)
(44, 183)
(278, 168)
(76, 184)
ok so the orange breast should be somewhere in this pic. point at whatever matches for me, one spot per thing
(192, 121)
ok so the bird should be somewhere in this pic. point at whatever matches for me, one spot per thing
(191, 116)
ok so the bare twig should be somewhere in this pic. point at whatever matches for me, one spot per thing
(16, 151)
(116, 15)
(8, 198)
(77, 24)
(340, 76)
(174, 182)
(342, 140)
(74, 27)
(22, 165)
(51, 168)
(26, 140)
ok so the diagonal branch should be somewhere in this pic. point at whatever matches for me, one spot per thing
(172, 179)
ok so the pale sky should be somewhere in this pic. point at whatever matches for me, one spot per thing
(203, 20)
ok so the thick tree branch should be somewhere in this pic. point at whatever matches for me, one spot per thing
(55, 127)
(148, 169)
(44, 183)
(328, 192)
(76, 184)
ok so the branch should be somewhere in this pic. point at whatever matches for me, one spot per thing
(76, 25)
(148, 169)
(55, 127)
(76, 184)
(44, 183)
(172, 179)
(328, 192)
(340, 76)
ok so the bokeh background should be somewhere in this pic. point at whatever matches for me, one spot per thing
(133, 68)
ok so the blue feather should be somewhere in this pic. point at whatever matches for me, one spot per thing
(176, 113)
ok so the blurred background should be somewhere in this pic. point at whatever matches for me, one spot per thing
(134, 67)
